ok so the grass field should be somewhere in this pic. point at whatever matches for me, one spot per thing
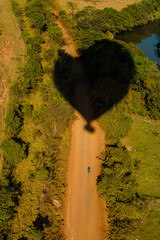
(99, 4)
(10, 50)
(143, 141)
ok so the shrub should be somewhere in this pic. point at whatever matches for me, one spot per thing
(117, 184)
(27, 109)
(14, 151)
(153, 104)
(14, 118)
(6, 207)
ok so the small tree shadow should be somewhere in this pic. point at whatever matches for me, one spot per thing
(97, 80)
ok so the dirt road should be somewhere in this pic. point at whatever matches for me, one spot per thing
(83, 210)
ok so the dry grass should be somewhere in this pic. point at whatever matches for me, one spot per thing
(10, 50)
(99, 4)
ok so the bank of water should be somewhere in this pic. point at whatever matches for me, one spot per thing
(146, 38)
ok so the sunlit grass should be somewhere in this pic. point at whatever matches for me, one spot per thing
(10, 53)
(144, 140)
(99, 4)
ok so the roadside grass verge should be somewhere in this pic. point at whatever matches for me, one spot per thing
(10, 55)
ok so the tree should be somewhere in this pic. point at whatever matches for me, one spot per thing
(33, 44)
(21, 86)
(6, 207)
(14, 151)
(49, 54)
(37, 20)
(36, 11)
(55, 33)
(153, 104)
(33, 69)
(14, 119)
(17, 9)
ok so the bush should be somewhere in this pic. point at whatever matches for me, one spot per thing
(17, 9)
(110, 20)
(55, 33)
(14, 118)
(27, 109)
(49, 55)
(14, 151)
(21, 86)
(6, 207)
(33, 70)
(117, 185)
(18, 13)
(33, 44)
(153, 104)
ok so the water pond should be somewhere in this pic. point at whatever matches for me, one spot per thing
(146, 38)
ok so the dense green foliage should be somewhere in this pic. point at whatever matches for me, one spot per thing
(117, 184)
(38, 117)
(36, 11)
(14, 118)
(92, 24)
(15, 151)
(127, 208)
(8, 201)
(146, 82)
(37, 123)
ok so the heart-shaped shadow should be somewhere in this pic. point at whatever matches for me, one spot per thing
(97, 80)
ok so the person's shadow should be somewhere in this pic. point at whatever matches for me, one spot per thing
(97, 80)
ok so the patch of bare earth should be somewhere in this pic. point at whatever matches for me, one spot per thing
(6, 68)
(6, 54)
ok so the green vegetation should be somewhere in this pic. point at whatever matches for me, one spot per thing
(91, 24)
(37, 138)
(38, 118)
(14, 119)
(130, 182)
(118, 185)
(130, 208)
(14, 151)
(8, 200)
(143, 140)
(146, 85)
(131, 211)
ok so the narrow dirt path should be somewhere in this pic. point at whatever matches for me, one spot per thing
(6, 54)
(83, 210)
(6, 68)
